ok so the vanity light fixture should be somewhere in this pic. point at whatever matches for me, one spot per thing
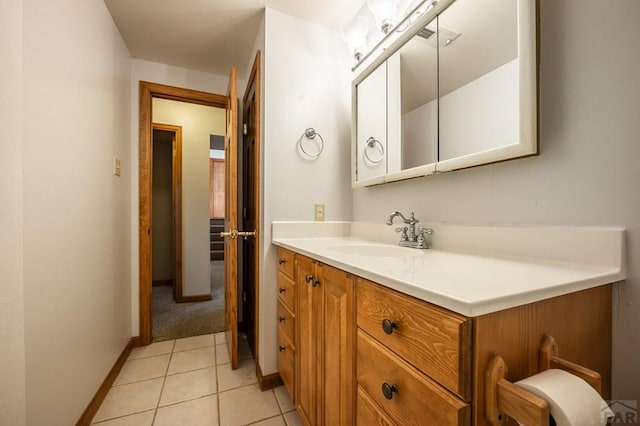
(385, 12)
(415, 9)
(354, 33)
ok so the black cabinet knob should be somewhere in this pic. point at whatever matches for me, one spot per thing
(388, 390)
(388, 326)
(282, 290)
(282, 348)
(282, 261)
(281, 319)
(308, 278)
(316, 283)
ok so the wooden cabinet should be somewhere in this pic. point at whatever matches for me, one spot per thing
(325, 355)
(354, 352)
(286, 319)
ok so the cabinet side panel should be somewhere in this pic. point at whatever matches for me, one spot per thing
(580, 322)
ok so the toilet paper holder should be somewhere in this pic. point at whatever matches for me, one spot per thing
(503, 398)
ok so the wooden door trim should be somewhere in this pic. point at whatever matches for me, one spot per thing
(212, 204)
(176, 202)
(255, 80)
(148, 91)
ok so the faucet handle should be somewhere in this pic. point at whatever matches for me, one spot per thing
(426, 231)
(403, 236)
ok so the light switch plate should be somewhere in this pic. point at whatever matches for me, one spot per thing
(117, 166)
(318, 213)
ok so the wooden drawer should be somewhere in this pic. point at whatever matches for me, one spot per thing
(368, 413)
(286, 365)
(286, 291)
(285, 262)
(286, 322)
(417, 397)
(435, 341)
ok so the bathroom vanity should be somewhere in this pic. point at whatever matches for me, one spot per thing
(373, 333)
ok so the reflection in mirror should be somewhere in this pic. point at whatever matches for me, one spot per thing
(479, 71)
(413, 99)
(371, 146)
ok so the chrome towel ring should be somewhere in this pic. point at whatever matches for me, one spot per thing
(310, 134)
(373, 143)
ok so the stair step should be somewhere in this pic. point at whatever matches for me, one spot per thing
(216, 245)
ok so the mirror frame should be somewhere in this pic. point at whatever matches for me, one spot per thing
(528, 54)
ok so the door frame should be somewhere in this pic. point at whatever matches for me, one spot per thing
(148, 91)
(176, 202)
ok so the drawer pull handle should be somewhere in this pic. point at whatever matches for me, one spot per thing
(388, 326)
(281, 319)
(282, 261)
(388, 390)
(308, 278)
(282, 290)
(316, 283)
(282, 348)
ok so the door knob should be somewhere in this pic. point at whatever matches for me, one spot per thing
(233, 234)
(246, 234)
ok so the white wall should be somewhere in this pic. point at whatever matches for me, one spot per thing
(307, 84)
(12, 363)
(587, 172)
(77, 298)
(198, 122)
(172, 76)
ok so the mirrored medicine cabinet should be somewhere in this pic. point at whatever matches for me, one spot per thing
(454, 87)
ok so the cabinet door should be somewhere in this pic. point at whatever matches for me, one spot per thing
(337, 347)
(307, 338)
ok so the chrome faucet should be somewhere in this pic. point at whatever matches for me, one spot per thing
(408, 236)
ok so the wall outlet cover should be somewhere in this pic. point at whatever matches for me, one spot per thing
(318, 213)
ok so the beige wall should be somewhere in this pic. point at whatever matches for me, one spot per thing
(77, 299)
(587, 172)
(198, 122)
(12, 367)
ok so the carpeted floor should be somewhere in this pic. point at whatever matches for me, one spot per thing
(171, 320)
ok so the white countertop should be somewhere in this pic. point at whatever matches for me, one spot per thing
(468, 283)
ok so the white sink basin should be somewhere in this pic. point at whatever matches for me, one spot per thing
(372, 250)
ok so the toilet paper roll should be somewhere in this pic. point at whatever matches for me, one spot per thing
(572, 402)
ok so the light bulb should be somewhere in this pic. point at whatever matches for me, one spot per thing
(354, 33)
(384, 11)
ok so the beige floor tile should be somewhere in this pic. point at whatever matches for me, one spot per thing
(136, 370)
(293, 419)
(129, 399)
(284, 401)
(194, 342)
(153, 349)
(246, 405)
(230, 379)
(191, 360)
(222, 354)
(220, 338)
(197, 412)
(140, 419)
(274, 421)
(190, 385)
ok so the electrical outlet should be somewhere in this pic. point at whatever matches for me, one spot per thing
(117, 166)
(318, 213)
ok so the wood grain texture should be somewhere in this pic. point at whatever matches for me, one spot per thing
(270, 381)
(580, 322)
(216, 188)
(101, 393)
(231, 219)
(435, 341)
(368, 412)
(285, 262)
(307, 335)
(287, 291)
(418, 397)
(286, 363)
(147, 91)
(337, 382)
(286, 322)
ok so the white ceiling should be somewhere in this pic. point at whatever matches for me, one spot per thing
(211, 35)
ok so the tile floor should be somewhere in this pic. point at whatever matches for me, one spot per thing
(189, 382)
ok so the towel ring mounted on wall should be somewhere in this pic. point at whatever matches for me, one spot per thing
(310, 134)
(373, 143)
